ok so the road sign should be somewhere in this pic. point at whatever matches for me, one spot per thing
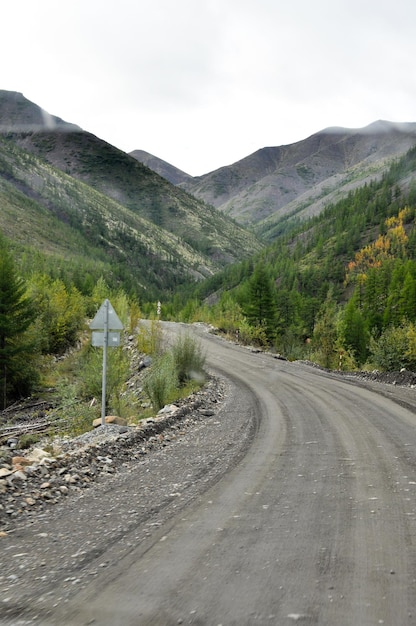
(98, 338)
(106, 312)
(105, 319)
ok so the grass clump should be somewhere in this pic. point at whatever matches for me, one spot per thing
(181, 367)
(189, 360)
(150, 338)
(28, 440)
(161, 381)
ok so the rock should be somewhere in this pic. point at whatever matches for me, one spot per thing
(169, 408)
(20, 460)
(146, 362)
(37, 455)
(71, 478)
(5, 472)
(19, 475)
(110, 419)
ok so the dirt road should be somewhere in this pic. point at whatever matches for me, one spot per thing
(315, 524)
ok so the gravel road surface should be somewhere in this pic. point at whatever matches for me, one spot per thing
(294, 502)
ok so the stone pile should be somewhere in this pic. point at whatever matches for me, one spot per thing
(32, 481)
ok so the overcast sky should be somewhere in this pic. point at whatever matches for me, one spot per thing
(204, 83)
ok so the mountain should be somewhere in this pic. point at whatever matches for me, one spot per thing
(55, 177)
(168, 171)
(342, 283)
(276, 184)
(17, 114)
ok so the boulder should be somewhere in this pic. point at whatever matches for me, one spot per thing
(21, 460)
(168, 409)
(110, 419)
(37, 455)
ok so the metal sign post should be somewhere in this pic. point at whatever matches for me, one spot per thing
(104, 379)
(105, 319)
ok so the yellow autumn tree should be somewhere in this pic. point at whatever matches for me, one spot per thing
(387, 246)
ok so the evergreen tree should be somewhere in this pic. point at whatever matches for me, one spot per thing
(16, 315)
(407, 296)
(355, 336)
(325, 331)
(260, 307)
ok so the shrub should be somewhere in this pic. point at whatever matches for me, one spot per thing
(188, 359)
(73, 416)
(78, 418)
(149, 338)
(28, 440)
(92, 368)
(161, 381)
(252, 335)
(389, 352)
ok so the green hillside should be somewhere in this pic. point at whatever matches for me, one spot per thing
(81, 221)
(121, 178)
(53, 214)
(342, 279)
(67, 193)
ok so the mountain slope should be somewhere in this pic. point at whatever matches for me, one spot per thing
(17, 114)
(45, 210)
(348, 273)
(123, 179)
(161, 167)
(74, 197)
(300, 179)
(268, 180)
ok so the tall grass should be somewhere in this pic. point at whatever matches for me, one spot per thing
(188, 358)
(172, 371)
(161, 381)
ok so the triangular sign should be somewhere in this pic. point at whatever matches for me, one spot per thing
(98, 323)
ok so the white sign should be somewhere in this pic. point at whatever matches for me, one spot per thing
(105, 319)
(98, 337)
(106, 313)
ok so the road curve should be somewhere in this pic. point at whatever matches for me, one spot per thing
(316, 524)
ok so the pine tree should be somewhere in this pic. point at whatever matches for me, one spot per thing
(16, 315)
(325, 330)
(354, 333)
(260, 308)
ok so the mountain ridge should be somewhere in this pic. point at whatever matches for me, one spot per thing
(161, 167)
(17, 114)
(92, 187)
(298, 180)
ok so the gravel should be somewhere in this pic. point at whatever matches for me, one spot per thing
(39, 479)
(108, 490)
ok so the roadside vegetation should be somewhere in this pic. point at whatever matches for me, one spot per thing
(45, 349)
(339, 290)
(176, 373)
